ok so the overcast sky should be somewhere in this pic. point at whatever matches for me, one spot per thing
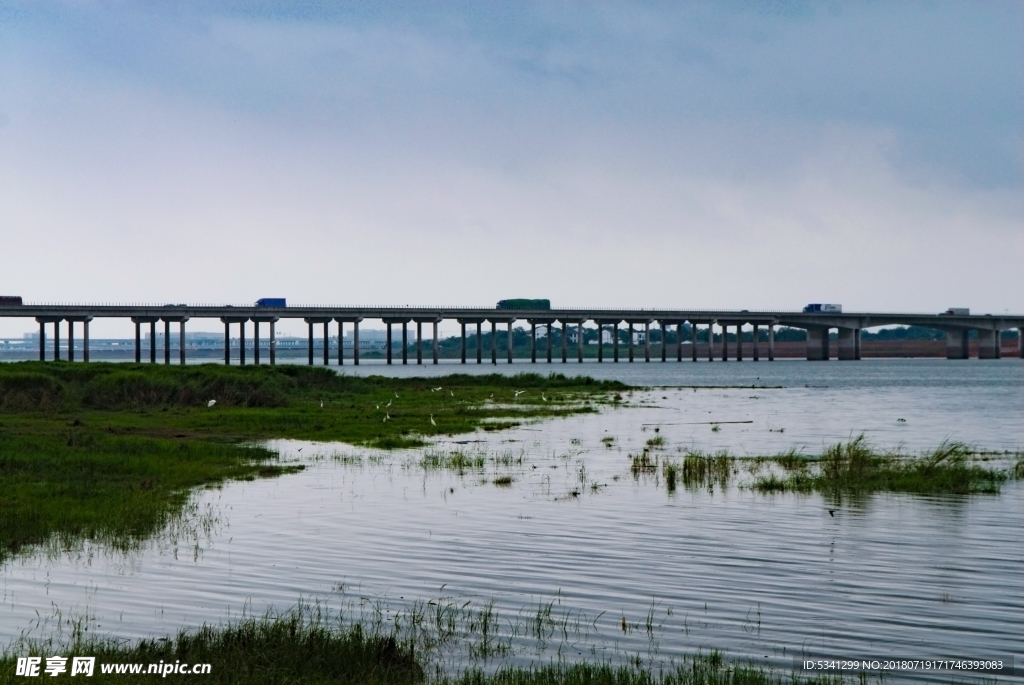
(748, 154)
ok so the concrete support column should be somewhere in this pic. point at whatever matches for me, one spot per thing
(341, 343)
(389, 342)
(405, 343)
(256, 342)
(856, 343)
(479, 343)
(725, 342)
(615, 342)
(647, 341)
(494, 342)
(847, 344)
(419, 343)
(71, 340)
(693, 341)
(437, 345)
(509, 342)
(579, 342)
(565, 342)
(56, 341)
(355, 343)
(327, 342)
(42, 341)
(679, 341)
(664, 341)
(771, 342)
(1020, 342)
(273, 343)
(462, 348)
(957, 344)
(85, 341)
(550, 341)
(988, 344)
(152, 342)
(757, 342)
(739, 342)
(711, 341)
(817, 344)
(167, 342)
(309, 343)
(181, 340)
(631, 342)
(533, 342)
(227, 343)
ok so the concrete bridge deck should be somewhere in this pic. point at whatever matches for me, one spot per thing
(702, 323)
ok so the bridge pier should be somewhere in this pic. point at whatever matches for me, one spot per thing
(56, 340)
(405, 343)
(533, 342)
(679, 341)
(355, 342)
(341, 343)
(479, 343)
(579, 342)
(419, 343)
(494, 342)
(600, 342)
(42, 340)
(241, 343)
(256, 342)
(509, 341)
(85, 341)
(664, 341)
(817, 344)
(630, 342)
(1020, 342)
(739, 342)
(550, 341)
(725, 342)
(958, 344)
(181, 342)
(167, 342)
(693, 341)
(647, 341)
(757, 342)
(437, 344)
(847, 344)
(988, 344)
(388, 324)
(565, 342)
(71, 340)
(615, 342)
(462, 347)
(711, 341)
(771, 342)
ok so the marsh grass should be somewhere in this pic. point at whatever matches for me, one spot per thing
(704, 470)
(310, 644)
(453, 461)
(855, 467)
(109, 452)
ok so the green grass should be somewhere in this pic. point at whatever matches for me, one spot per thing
(110, 452)
(856, 468)
(305, 646)
(700, 470)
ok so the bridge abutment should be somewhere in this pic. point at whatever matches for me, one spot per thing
(957, 344)
(817, 344)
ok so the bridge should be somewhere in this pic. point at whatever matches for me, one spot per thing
(817, 324)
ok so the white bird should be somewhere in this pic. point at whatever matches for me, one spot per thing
(388, 404)
(386, 417)
(519, 392)
(211, 403)
(452, 393)
(432, 423)
(544, 398)
(396, 394)
(436, 389)
(321, 404)
(378, 406)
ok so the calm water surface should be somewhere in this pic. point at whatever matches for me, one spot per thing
(757, 576)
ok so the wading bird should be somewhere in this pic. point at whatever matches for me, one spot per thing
(211, 403)
(432, 423)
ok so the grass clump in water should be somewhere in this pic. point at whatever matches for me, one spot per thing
(453, 461)
(504, 481)
(700, 470)
(856, 468)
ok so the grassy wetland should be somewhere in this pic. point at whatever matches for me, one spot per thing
(109, 452)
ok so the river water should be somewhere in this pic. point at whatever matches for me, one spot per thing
(761, 577)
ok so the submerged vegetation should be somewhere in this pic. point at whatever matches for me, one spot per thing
(856, 468)
(110, 451)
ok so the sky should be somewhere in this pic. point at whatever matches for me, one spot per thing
(748, 155)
